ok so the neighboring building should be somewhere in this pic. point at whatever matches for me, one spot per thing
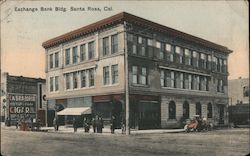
(172, 75)
(23, 98)
(238, 91)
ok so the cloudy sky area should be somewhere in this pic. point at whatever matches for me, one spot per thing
(22, 33)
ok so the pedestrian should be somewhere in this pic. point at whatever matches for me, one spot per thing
(86, 125)
(94, 124)
(112, 126)
(38, 123)
(75, 124)
(17, 123)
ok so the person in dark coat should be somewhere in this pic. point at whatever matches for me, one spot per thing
(75, 125)
(94, 124)
(112, 125)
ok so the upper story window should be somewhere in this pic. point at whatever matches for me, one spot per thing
(114, 44)
(67, 56)
(203, 61)
(187, 53)
(75, 80)
(83, 79)
(220, 85)
(51, 61)
(51, 82)
(67, 81)
(106, 75)
(142, 43)
(114, 72)
(105, 46)
(91, 50)
(178, 54)
(195, 59)
(170, 56)
(161, 47)
(56, 83)
(74, 55)
(139, 75)
(224, 67)
(83, 52)
(209, 62)
(56, 59)
(91, 77)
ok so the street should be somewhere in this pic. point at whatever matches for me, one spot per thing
(224, 142)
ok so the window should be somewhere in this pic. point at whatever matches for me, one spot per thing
(56, 83)
(83, 52)
(185, 110)
(215, 62)
(105, 46)
(202, 61)
(198, 82)
(162, 78)
(74, 55)
(51, 61)
(177, 79)
(195, 59)
(114, 71)
(106, 75)
(171, 110)
(139, 75)
(178, 55)
(114, 44)
(83, 78)
(142, 46)
(224, 67)
(194, 82)
(91, 49)
(91, 77)
(187, 57)
(198, 109)
(170, 56)
(134, 73)
(190, 82)
(51, 82)
(130, 37)
(181, 80)
(246, 91)
(209, 62)
(56, 60)
(162, 50)
(143, 76)
(172, 77)
(168, 78)
(209, 110)
(68, 86)
(67, 56)
(75, 80)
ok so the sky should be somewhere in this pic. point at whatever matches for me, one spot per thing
(23, 32)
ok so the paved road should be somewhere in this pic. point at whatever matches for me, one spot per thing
(219, 142)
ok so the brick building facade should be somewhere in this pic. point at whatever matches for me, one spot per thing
(171, 75)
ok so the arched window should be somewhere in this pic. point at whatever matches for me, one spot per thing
(171, 110)
(209, 110)
(185, 110)
(198, 108)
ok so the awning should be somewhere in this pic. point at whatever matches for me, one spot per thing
(75, 111)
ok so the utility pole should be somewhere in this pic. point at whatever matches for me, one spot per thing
(126, 80)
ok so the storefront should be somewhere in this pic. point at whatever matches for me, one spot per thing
(107, 106)
(145, 112)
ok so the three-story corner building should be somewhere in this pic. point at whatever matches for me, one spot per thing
(171, 75)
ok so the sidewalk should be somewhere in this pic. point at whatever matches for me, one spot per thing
(105, 131)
